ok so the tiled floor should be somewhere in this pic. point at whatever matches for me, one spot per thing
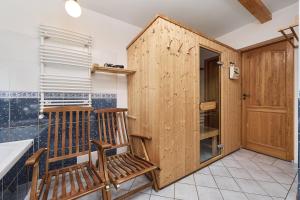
(241, 175)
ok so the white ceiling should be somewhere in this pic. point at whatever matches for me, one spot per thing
(211, 17)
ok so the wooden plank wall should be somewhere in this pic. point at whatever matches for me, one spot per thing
(163, 95)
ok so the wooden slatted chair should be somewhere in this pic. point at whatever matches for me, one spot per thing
(68, 138)
(112, 128)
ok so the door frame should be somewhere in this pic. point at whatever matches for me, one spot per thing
(221, 114)
(290, 101)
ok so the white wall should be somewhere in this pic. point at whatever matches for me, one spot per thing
(19, 43)
(255, 32)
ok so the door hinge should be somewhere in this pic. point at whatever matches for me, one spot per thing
(221, 146)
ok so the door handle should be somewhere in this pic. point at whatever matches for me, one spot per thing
(245, 96)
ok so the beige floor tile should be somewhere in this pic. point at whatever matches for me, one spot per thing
(291, 196)
(185, 191)
(154, 197)
(188, 180)
(231, 163)
(250, 186)
(285, 164)
(205, 180)
(264, 159)
(282, 177)
(273, 189)
(286, 186)
(232, 195)
(127, 185)
(258, 197)
(140, 196)
(219, 171)
(204, 170)
(249, 165)
(268, 168)
(226, 183)
(209, 193)
(138, 181)
(217, 163)
(168, 191)
(239, 173)
(261, 175)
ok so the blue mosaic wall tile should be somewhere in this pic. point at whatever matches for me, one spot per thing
(19, 119)
(1, 189)
(4, 135)
(15, 184)
(24, 112)
(23, 183)
(298, 147)
(4, 113)
(10, 193)
(104, 103)
(24, 132)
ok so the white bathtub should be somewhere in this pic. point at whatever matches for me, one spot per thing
(11, 152)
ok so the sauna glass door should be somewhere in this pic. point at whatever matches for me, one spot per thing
(209, 104)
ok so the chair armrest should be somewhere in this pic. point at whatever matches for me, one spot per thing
(141, 136)
(35, 157)
(102, 146)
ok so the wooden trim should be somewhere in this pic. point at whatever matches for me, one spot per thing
(265, 43)
(258, 9)
(182, 26)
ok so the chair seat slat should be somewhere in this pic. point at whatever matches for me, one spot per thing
(117, 168)
(125, 166)
(54, 194)
(86, 178)
(78, 179)
(48, 180)
(131, 167)
(73, 189)
(134, 161)
(94, 177)
(132, 164)
(114, 171)
(121, 166)
(63, 186)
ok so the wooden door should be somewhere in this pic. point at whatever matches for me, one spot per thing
(268, 87)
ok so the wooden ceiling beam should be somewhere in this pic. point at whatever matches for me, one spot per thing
(258, 9)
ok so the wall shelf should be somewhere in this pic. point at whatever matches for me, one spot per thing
(98, 68)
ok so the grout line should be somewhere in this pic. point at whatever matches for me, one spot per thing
(174, 191)
(216, 183)
(270, 176)
(196, 187)
(289, 190)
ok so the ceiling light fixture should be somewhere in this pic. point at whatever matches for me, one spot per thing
(73, 8)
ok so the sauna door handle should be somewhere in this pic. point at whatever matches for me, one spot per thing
(245, 96)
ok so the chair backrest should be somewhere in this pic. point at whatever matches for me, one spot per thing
(68, 132)
(112, 126)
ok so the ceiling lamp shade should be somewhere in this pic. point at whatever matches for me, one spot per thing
(73, 8)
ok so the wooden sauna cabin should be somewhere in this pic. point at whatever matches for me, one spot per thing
(182, 97)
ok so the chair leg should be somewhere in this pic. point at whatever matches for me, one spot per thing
(154, 181)
(106, 195)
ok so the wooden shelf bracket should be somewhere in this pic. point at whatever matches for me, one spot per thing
(293, 34)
